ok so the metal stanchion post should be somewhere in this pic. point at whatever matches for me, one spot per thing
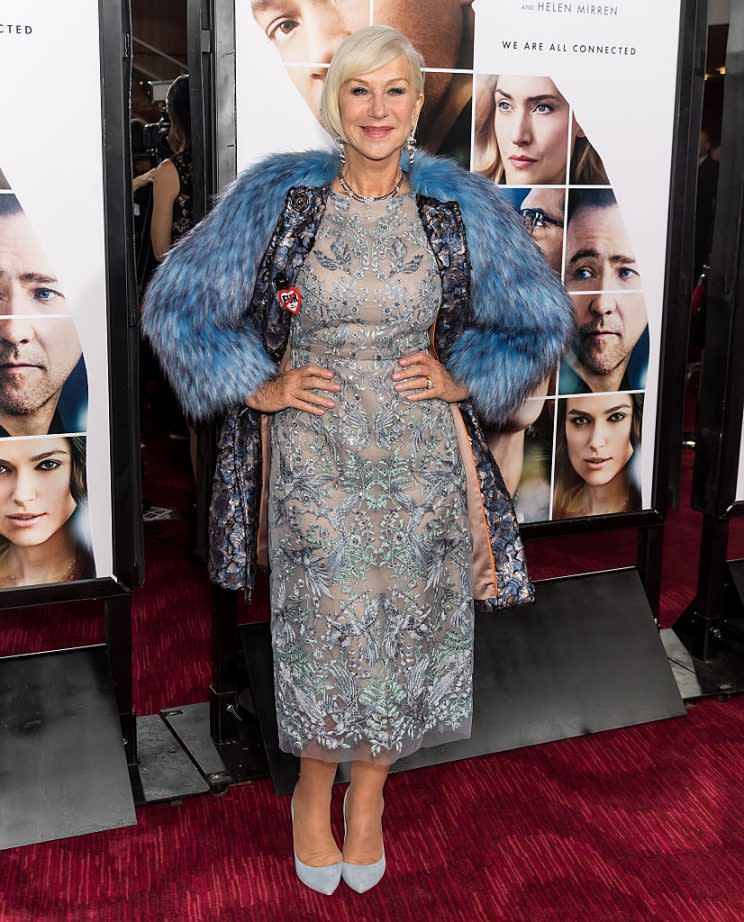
(118, 636)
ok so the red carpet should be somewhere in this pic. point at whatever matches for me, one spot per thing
(644, 823)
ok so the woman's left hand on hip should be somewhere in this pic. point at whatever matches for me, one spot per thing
(427, 377)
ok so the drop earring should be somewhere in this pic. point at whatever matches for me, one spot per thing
(411, 146)
(341, 151)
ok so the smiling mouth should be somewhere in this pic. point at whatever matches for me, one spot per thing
(376, 131)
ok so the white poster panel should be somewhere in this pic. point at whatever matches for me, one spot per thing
(568, 107)
(55, 489)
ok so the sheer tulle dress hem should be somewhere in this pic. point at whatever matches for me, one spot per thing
(362, 751)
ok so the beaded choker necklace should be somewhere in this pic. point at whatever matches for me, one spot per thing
(371, 198)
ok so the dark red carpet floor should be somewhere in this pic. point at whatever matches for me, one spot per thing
(645, 823)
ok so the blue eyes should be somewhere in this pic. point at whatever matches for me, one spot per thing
(542, 108)
(45, 294)
(625, 274)
(41, 294)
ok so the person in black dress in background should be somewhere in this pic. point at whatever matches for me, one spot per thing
(171, 182)
(172, 214)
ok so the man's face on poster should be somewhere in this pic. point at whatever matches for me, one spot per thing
(37, 351)
(308, 32)
(547, 206)
(604, 279)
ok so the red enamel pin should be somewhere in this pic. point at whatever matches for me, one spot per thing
(290, 299)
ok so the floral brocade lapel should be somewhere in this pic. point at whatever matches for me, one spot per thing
(294, 237)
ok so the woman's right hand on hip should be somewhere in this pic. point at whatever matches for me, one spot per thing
(296, 388)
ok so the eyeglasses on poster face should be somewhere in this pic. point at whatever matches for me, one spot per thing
(536, 219)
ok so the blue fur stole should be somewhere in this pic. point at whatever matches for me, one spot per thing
(196, 305)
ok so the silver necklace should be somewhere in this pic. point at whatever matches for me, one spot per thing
(61, 579)
(371, 198)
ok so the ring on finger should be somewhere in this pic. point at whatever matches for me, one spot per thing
(429, 384)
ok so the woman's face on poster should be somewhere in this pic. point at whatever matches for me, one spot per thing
(35, 497)
(531, 123)
(308, 32)
(598, 436)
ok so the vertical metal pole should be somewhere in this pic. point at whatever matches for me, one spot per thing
(117, 622)
(650, 562)
(223, 691)
(712, 572)
(699, 627)
(212, 65)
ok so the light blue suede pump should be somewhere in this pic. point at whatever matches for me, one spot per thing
(324, 879)
(361, 877)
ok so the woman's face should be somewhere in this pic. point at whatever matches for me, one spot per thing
(35, 498)
(531, 124)
(379, 109)
(598, 436)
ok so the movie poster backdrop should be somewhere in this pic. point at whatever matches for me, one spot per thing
(568, 108)
(55, 490)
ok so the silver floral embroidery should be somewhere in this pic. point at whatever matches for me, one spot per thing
(372, 610)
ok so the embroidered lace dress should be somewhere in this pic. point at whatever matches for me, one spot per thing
(371, 594)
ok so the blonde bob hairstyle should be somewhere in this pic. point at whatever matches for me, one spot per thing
(363, 52)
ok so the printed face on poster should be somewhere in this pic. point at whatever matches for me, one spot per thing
(537, 97)
(55, 491)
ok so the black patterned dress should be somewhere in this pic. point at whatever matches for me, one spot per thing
(183, 216)
(371, 589)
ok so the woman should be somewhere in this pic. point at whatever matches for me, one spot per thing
(171, 180)
(325, 304)
(172, 217)
(43, 495)
(522, 135)
(598, 444)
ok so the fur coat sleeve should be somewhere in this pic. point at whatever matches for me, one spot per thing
(196, 311)
(521, 318)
